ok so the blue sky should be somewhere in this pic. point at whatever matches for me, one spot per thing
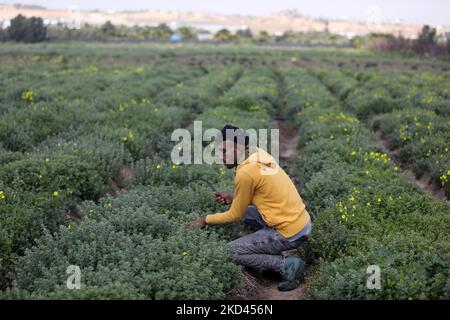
(436, 12)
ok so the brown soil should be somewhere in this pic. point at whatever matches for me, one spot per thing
(257, 286)
(289, 139)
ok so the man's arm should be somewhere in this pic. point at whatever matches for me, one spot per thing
(200, 223)
(243, 194)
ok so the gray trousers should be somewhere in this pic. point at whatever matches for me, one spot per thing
(262, 248)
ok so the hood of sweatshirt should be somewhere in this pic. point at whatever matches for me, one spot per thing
(261, 157)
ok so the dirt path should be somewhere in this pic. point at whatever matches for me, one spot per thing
(257, 285)
(289, 139)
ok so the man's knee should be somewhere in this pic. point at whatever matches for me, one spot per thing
(233, 249)
(239, 246)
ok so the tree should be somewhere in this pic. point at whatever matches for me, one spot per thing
(244, 33)
(263, 36)
(186, 33)
(288, 36)
(36, 31)
(163, 31)
(108, 28)
(427, 36)
(224, 35)
(27, 29)
(18, 28)
(426, 40)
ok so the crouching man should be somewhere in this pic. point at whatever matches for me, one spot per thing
(267, 202)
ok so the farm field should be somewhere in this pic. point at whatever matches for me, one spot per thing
(86, 176)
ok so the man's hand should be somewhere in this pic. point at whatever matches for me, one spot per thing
(200, 223)
(223, 198)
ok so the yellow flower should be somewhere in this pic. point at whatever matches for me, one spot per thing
(379, 200)
(158, 166)
(55, 193)
(2, 195)
(184, 253)
(443, 179)
(174, 166)
(27, 96)
(128, 137)
(353, 153)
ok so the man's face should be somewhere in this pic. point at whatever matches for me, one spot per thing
(227, 154)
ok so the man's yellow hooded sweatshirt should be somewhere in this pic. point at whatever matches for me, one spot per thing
(260, 181)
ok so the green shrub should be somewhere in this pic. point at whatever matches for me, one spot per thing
(64, 173)
(120, 245)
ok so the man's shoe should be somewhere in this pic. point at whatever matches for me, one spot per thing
(293, 269)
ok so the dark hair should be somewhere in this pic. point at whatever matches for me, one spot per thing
(237, 134)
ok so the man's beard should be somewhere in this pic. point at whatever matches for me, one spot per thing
(230, 165)
(236, 162)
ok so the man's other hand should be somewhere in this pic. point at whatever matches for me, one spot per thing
(223, 198)
(200, 223)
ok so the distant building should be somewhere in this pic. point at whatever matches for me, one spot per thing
(205, 36)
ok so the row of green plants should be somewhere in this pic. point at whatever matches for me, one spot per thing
(200, 93)
(96, 83)
(154, 255)
(66, 132)
(40, 189)
(303, 90)
(64, 174)
(131, 247)
(77, 105)
(384, 91)
(422, 140)
(257, 89)
(365, 213)
(409, 109)
(249, 103)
